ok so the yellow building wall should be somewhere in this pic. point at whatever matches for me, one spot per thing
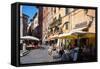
(91, 12)
(74, 18)
(62, 12)
(80, 16)
(92, 29)
(93, 26)
(65, 19)
(77, 17)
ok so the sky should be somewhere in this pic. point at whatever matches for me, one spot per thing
(29, 10)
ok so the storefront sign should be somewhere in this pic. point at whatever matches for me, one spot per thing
(80, 25)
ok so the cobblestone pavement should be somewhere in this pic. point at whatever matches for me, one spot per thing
(37, 56)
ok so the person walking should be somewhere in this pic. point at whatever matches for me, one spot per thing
(61, 52)
(74, 53)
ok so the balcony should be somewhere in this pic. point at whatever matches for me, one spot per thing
(56, 22)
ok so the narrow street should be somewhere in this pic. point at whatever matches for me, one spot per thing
(37, 56)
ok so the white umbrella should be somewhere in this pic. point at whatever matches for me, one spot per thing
(29, 38)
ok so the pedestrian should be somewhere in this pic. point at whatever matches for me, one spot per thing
(54, 47)
(24, 46)
(74, 53)
(75, 57)
(65, 56)
(80, 54)
(50, 50)
(61, 52)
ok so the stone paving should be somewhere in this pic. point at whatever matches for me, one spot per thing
(37, 56)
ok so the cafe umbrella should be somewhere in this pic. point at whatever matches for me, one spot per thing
(83, 34)
(29, 38)
(25, 52)
(67, 35)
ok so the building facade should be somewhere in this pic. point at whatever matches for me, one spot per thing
(23, 24)
(65, 20)
(23, 27)
(40, 21)
(35, 26)
(47, 19)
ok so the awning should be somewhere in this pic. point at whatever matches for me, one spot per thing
(55, 36)
(67, 35)
(71, 35)
(74, 34)
(89, 35)
(45, 40)
(50, 38)
(84, 34)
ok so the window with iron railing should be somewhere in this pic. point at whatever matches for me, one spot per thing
(60, 31)
(56, 29)
(69, 10)
(66, 25)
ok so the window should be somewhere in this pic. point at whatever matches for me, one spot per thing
(59, 8)
(86, 11)
(54, 20)
(66, 11)
(56, 29)
(59, 16)
(51, 9)
(55, 10)
(60, 31)
(69, 10)
(59, 19)
(66, 25)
